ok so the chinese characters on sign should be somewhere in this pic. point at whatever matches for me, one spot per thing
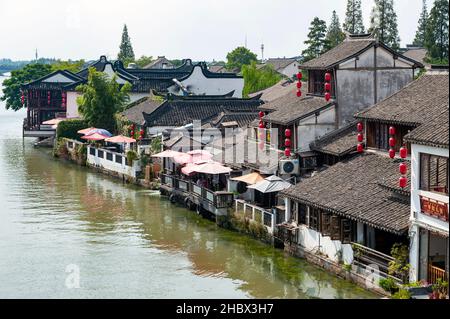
(434, 208)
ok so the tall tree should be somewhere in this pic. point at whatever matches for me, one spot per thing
(383, 23)
(102, 97)
(239, 57)
(335, 35)
(419, 40)
(317, 42)
(436, 39)
(258, 79)
(353, 18)
(126, 53)
(11, 86)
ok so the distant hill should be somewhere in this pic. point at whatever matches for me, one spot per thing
(8, 65)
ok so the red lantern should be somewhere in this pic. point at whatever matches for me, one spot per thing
(261, 114)
(327, 87)
(359, 127)
(360, 148)
(287, 132)
(299, 93)
(403, 152)
(133, 127)
(392, 153)
(391, 130)
(299, 85)
(360, 138)
(261, 124)
(392, 142)
(22, 98)
(402, 182)
(287, 142)
(132, 133)
(327, 96)
(327, 77)
(287, 152)
(299, 76)
(403, 168)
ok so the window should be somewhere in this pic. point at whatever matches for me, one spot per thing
(434, 173)
(326, 224)
(347, 234)
(119, 159)
(335, 228)
(92, 151)
(100, 154)
(109, 156)
(302, 211)
(314, 219)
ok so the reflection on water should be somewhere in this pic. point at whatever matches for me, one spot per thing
(127, 242)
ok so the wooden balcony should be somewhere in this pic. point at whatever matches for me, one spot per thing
(208, 199)
(435, 273)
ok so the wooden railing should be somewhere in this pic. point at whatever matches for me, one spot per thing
(435, 273)
(371, 258)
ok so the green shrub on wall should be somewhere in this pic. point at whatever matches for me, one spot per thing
(69, 129)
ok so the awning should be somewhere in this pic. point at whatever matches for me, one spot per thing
(210, 168)
(271, 184)
(94, 137)
(120, 139)
(249, 179)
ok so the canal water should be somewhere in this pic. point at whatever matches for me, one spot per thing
(61, 225)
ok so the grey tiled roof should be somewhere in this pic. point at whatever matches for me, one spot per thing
(179, 111)
(282, 88)
(291, 108)
(417, 103)
(432, 133)
(135, 110)
(339, 142)
(353, 189)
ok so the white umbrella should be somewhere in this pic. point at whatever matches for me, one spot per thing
(271, 184)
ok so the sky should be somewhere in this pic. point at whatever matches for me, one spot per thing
(203, 30)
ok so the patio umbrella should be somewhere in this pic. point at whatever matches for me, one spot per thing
(249, 179)
(120, 139)
(94, 137)
(212, 168)
(183, 158)
(86, 130)
(271, 184)
(167, 154)
(99, 131)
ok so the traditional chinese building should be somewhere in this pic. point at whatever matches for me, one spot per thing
(429, 230)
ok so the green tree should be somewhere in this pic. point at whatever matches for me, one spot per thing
(126, 53)
(436, 40)
(335, 35)
(419, 40)
(144, 61)
(258, 79)
(239, 57)
(11, 87)
(317, 42)
(102, 97)
(72, 66)
(353, 23)
(383, 23)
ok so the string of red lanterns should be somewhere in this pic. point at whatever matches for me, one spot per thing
(392, 142)
(360, 137)
(403, 168)
(261, 131)
(299, 84)
(22, 98)
(287, 142)
(327, 86)
(133, 127)
(48, 97)
(63, 99)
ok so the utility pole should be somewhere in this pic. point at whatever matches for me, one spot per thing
(262, 52)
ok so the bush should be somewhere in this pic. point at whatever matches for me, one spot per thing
(402, 294)
(131, 156)
(60, 149)
(69, 129)
(389, 285)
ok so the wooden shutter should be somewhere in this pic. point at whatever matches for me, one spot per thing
(302, 209)
(346, 231)
(326, 224)
(314, 219)
(335, 228)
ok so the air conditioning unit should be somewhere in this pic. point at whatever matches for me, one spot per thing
(291, 167)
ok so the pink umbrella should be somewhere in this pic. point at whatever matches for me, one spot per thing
(120, 139)
(94, 137)
(210, 168)
(200, 155)
(183, 158)
(189, 169)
